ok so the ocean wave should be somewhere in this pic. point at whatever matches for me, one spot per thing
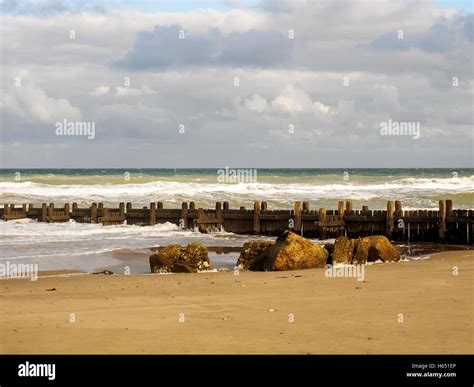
(169, 191)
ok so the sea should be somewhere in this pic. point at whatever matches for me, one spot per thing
(92, 247)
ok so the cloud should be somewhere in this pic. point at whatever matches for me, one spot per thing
(282, 81)
(100, 90)
(51, 7)
(256, 103)
(33, 104)
(292, 100)
(133, 92)
(445, 35)
(175, 47)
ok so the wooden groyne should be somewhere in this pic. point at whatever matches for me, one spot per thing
(444, 225)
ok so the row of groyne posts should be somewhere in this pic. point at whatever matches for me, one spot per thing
(443, 225)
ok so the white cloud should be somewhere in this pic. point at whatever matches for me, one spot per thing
(292, 100)
(256, 103)
(32, 103)
(100, 90)
(318, 107)
(133, 92)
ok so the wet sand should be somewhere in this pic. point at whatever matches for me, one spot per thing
(404, 307)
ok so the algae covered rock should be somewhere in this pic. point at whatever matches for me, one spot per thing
(293, 252)
(343, 250)
(178, 259)
(253, 255)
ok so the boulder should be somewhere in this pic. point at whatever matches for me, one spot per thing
(361, 251)
(375, 248)
(195, 255)
(183, 268)
(253, 255)
(343, 250)
(382, 249)
(178, 259)
(293, 252)
(164, 257)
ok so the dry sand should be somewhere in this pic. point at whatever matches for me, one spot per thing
(246, 313)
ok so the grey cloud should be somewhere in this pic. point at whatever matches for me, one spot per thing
(192, 84)
(51, 7)
(443, 36)
(390, 41)
(163, 48)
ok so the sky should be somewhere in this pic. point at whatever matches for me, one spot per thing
(254, 83)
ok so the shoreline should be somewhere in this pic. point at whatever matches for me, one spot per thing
(246, 313)
(138, 260)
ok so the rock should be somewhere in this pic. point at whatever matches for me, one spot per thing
(178, 259)
(164, 257)
(382, 249)
(330, 249)
(196, 255)
(183, 268)
(374, 248)
(361, 251)
(253, 254)
(343, 250)
(293, 252)
(105, 272)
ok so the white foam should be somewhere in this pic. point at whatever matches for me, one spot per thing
(174, 191)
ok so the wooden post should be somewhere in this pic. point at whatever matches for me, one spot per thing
(44, 212)
(305, 206)
(340, 215)
(74, 206)
(192, 206)
(152, 213)
(219, 216)
(184, 214)
(94, 213)
(297, 225)
(6, 209)
(226, 206)
(66, 210)
(389, 219)
(340, 209)
(160, 205)
(200, 217)
(105, 216)
(442, 220)
(365, 209)
(398, 208)
(122, 210)
(264, 206)
(50, 212)
(322, 221)
(129, 207)
(256, 218)
(449, 207)
(348, 207)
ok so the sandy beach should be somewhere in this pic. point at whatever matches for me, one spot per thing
(401, 308)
